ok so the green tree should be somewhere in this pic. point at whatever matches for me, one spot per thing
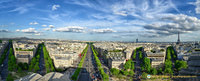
(168, 54)
(147, 64)
(160, 71)
(144, 75)
(168, 64)
(140, 55)
(33, 61)
(180, 64)
(154, 71)
(105, 77)
(36, 67)
(11, 61)
(124, 72)
(168, 71)
(19, 69)
(9, 78)
(127, 65)
(38, 56)
(131, 72)
(162, 50)
(132, 65)
(134, 54)
(114, 71)
(25, 66)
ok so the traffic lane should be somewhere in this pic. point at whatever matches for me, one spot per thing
(95, 73)
(42, 63)
(4, 67)
(84, 75)
(86, 65)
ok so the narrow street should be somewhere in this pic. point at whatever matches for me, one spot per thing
(137, 68)
(89, 66)
(42, 70)
(4, 67)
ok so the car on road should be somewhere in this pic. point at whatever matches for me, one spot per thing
(84, 71)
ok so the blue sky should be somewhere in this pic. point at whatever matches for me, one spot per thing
(101, 20)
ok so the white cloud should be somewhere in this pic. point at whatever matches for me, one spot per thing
(17, 30)
(33, 23)
(197, 4)
(46, 29)
(37, 34)
(22, 9)
(122, 13)
(29, 30)
(51, 26)
(176, 23)
(44, 25)
(107, 30)
(55, 7)
(70, 29)
(143, 9)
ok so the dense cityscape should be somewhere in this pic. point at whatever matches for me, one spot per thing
(99, 40)
(24, 59)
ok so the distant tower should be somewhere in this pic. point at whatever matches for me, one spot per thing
(178, 41)
(137, 40)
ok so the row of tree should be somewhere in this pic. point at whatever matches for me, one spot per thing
(76, 73)
(48, 61)
(117, 72)
(168, 65)
(170, 53)
(12, 64)
(34, 64)
(179, 64)
(146, 63)
(3, 55)
(129, 65)
(135, 52)
(103, 74)
(168, 61)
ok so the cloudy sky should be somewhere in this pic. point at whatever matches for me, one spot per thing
(101, 20)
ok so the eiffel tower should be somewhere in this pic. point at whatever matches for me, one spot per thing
(178, 41)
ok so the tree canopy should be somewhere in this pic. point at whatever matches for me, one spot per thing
(180, 64)
(127, 65)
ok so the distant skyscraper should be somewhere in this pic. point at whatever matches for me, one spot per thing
(137, 40)
(178, 41)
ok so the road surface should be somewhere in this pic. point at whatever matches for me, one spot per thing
(4, 70)
(137, 67)
(42, 70)
(89, 66)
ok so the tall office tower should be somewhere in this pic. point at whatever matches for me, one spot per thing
(137, 40)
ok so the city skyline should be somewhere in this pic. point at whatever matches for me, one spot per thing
(102, 20)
